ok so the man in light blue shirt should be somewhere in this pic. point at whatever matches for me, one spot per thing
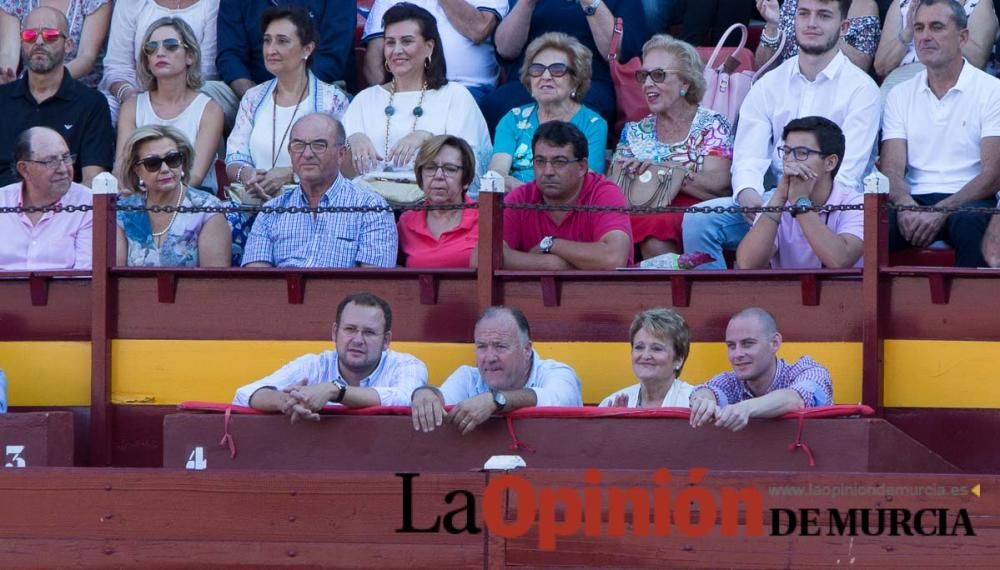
(3, 393)
(508, 375)
(361, 372)
(331, 239)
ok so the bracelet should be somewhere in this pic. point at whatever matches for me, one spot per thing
(239, 174)
(118, 94)
(770, 42)
(899, 37)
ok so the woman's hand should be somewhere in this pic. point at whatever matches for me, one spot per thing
(906, 33)
(404, 151)
(266, 184)
(634, 166)
(769, 10)
(363, 154)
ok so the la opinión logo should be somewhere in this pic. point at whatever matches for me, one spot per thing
(656, 511)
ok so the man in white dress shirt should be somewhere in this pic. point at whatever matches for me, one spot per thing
(941, 139)
(508, 375)
(820, 81)
(361, 372)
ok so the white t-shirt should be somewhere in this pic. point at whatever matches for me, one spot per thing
(469, 64)
(943, 136)
(188, 122)
(678, 396)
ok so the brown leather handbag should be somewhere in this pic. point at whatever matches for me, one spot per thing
(655, 188)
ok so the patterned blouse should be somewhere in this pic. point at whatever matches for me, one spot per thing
(863, 33)
(710, 134)
(179, 247)
(76, 12)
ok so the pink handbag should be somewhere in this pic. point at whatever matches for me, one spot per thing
(727, 86)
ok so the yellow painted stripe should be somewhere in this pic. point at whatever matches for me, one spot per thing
(941, 374)
(168, 372)
(46, 373)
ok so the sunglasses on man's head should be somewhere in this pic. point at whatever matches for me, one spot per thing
(153, 163)
(49, 35)
(169, 44)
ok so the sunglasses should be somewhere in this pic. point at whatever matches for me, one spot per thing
(555, 69)
(153, 163)
(49, 35)
(658, 75)
(169, 44)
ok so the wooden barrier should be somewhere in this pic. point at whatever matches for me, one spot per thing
(36, 439)
(389, 443)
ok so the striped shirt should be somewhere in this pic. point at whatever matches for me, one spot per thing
(338, 239)
(395, 378)
(807, 377)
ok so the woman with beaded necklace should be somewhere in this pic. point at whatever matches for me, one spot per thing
(386, 124)
(257, 155)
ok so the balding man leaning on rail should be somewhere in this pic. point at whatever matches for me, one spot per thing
(509, 374)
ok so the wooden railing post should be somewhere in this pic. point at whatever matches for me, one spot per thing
(103, 316)
(490, 243)
(876, 250)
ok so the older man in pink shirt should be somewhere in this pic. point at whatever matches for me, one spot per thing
(44, 240)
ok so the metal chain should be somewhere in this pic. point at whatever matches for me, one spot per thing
(36, 209)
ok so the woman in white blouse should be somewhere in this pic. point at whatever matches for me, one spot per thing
(660, 343)
(257, 149)
(170, 71)
(386, 124)
(129, 22)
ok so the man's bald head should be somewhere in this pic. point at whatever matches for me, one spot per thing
(47, 17)
(333, 126)
(763, 319)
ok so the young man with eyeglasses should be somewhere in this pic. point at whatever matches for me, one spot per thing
(48, 96)
(541, 239)
(330, 239)
(44, 240)
(360, 373)
(819, 81)
(804, 237)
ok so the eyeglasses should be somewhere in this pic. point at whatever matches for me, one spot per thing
(658, 75)
(318, 146)
(449, 170)
(557, 163)
(169, 44)
(49, 35)
(800, 153)
(555, 69)
(55, 162)
(153, 163)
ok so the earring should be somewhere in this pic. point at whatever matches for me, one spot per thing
(684, 91)
(387, 65)
(427, 63)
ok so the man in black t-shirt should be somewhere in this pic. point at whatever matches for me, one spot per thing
(47, 96)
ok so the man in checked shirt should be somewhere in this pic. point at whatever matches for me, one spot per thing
(330, 239)
(761, 385)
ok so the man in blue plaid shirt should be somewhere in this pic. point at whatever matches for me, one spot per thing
(337, 239)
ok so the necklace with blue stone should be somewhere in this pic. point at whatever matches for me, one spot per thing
(390, 110)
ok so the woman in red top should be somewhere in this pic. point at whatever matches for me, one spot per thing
(444, 167)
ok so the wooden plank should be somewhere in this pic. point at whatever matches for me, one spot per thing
(969, 315)
(65, 316)
(38, 439)
(874, 302)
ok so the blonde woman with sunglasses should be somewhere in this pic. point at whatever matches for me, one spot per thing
(156, 167)
(556, 71)
(170, 72)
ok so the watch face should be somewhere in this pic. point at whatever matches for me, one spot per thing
(499, 399)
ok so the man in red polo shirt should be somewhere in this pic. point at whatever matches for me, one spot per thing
(554, 239)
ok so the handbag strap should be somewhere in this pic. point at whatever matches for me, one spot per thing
(777, 53)
(616, 40)
(722, 42)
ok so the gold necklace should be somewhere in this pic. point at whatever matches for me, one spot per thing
(173, 216)
(418, 112)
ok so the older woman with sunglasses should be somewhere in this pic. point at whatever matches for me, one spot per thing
(556, 72)
(679, 131)
(88, 28)
(445, 167)
(170, 69)
(156, 166)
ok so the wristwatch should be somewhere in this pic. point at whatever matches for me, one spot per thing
(499, 399)
(546, 244)
(802, 205)
(592, 9)
(342, 386)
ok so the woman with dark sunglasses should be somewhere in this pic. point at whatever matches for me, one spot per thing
(88, 28)
(170, 71)
(556, 71)
(677, 132)
(156, 167)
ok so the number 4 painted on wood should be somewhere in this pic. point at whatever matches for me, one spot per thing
(196, 460)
